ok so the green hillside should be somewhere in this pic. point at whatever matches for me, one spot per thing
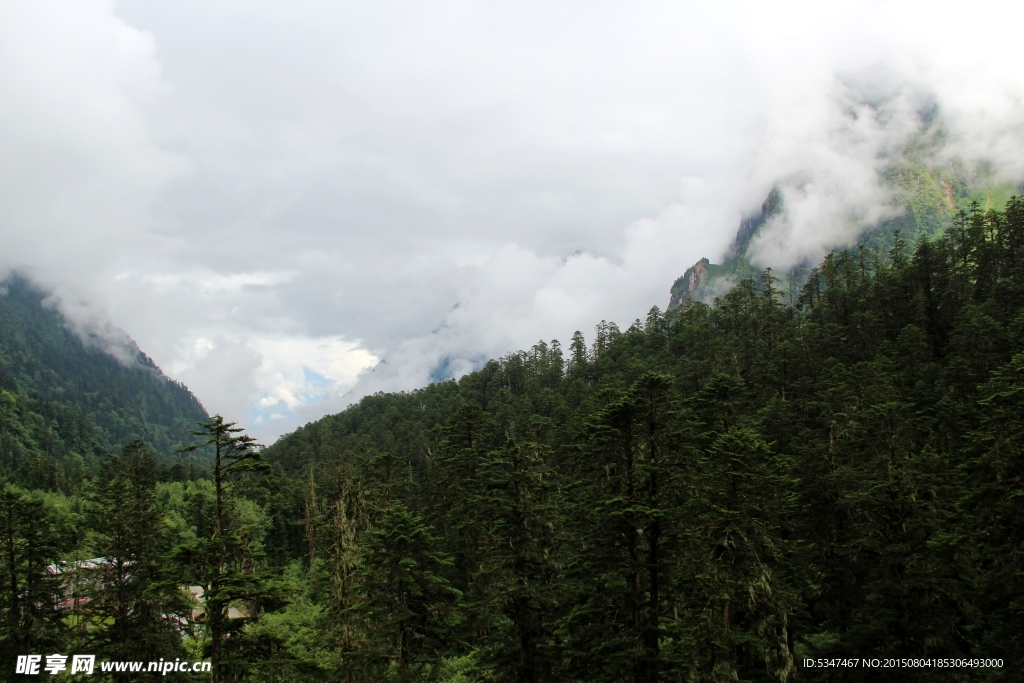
(715, 494)
(724, 492)
(65, 404)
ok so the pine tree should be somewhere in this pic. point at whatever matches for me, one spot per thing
(404, 597)
(224, 563)
(739, 601)
(465, 440)
(614, 630)
(32, 587)
(135, 604)
(518, 511)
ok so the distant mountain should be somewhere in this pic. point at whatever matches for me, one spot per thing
(930, 197)
(65, 402)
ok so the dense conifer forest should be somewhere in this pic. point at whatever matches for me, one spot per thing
(65, 402)
(713, 494)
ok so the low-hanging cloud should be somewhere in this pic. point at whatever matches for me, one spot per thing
(828, 159)
(289, 207)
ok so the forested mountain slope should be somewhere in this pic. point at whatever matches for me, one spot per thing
(713, 494)
(64, 403)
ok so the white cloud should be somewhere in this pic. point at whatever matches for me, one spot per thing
(255, 377)
(226, 371)
(78, 164)
(214, 283)
(272, 197)
(298, 372)
(827, 158)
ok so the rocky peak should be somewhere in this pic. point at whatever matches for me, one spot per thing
(704, 280)
(688, 288)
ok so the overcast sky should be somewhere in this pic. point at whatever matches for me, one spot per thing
(275, 198)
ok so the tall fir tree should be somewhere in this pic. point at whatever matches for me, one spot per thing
(224, 564)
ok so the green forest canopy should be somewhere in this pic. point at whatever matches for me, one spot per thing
(710, 495)
(714, 494)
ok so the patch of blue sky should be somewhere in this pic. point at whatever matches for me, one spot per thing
(315, 380)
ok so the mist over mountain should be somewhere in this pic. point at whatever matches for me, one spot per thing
(743, 490)
(756, 488)
(74, 395)
(416, 248)
(919, 194)
(271, 212)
